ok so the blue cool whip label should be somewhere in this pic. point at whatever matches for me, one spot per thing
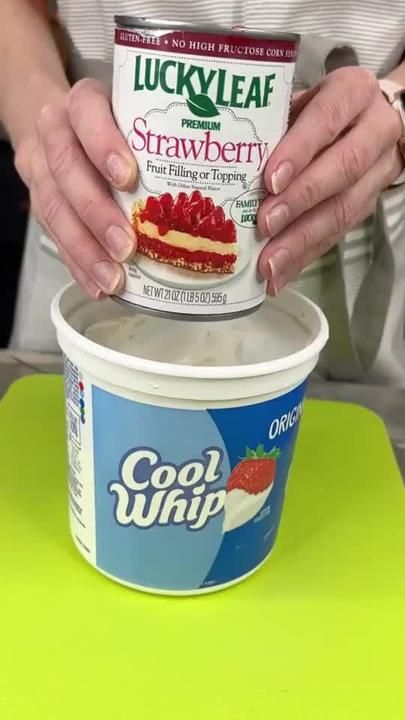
(176, 499)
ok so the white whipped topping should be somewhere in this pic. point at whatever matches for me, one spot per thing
(266, 335)
(241, 506)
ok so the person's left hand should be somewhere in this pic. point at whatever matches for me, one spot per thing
(325, 175)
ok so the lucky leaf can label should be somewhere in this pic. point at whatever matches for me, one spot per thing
(201, 109)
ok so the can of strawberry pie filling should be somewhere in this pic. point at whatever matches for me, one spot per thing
(201, 108)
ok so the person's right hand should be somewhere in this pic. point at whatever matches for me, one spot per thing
(77, 151)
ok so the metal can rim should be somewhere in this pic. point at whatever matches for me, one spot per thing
(141, 23)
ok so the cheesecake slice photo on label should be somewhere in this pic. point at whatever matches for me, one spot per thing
(187, 232)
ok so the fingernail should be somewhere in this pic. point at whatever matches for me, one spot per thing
(279, 263)
(119, 168)
(119, 242)
(281, 177)
(277, 219)
(93, 289)
(108, 276)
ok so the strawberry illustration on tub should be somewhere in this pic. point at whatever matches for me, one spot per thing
(249, 486)
(202, 110)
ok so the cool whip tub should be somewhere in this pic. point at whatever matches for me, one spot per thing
(202, 108)
(180, 436)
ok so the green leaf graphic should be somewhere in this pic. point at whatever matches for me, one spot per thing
(202, 106)
(262, 454)
(260, 451)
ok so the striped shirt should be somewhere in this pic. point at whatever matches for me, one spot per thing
(376, 29)
(360, 284)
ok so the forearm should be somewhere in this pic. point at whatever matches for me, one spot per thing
(31, 71)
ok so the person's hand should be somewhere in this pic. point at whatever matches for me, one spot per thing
(325, 175)
(76, 152)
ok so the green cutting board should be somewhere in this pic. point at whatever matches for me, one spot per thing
(317, 634)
